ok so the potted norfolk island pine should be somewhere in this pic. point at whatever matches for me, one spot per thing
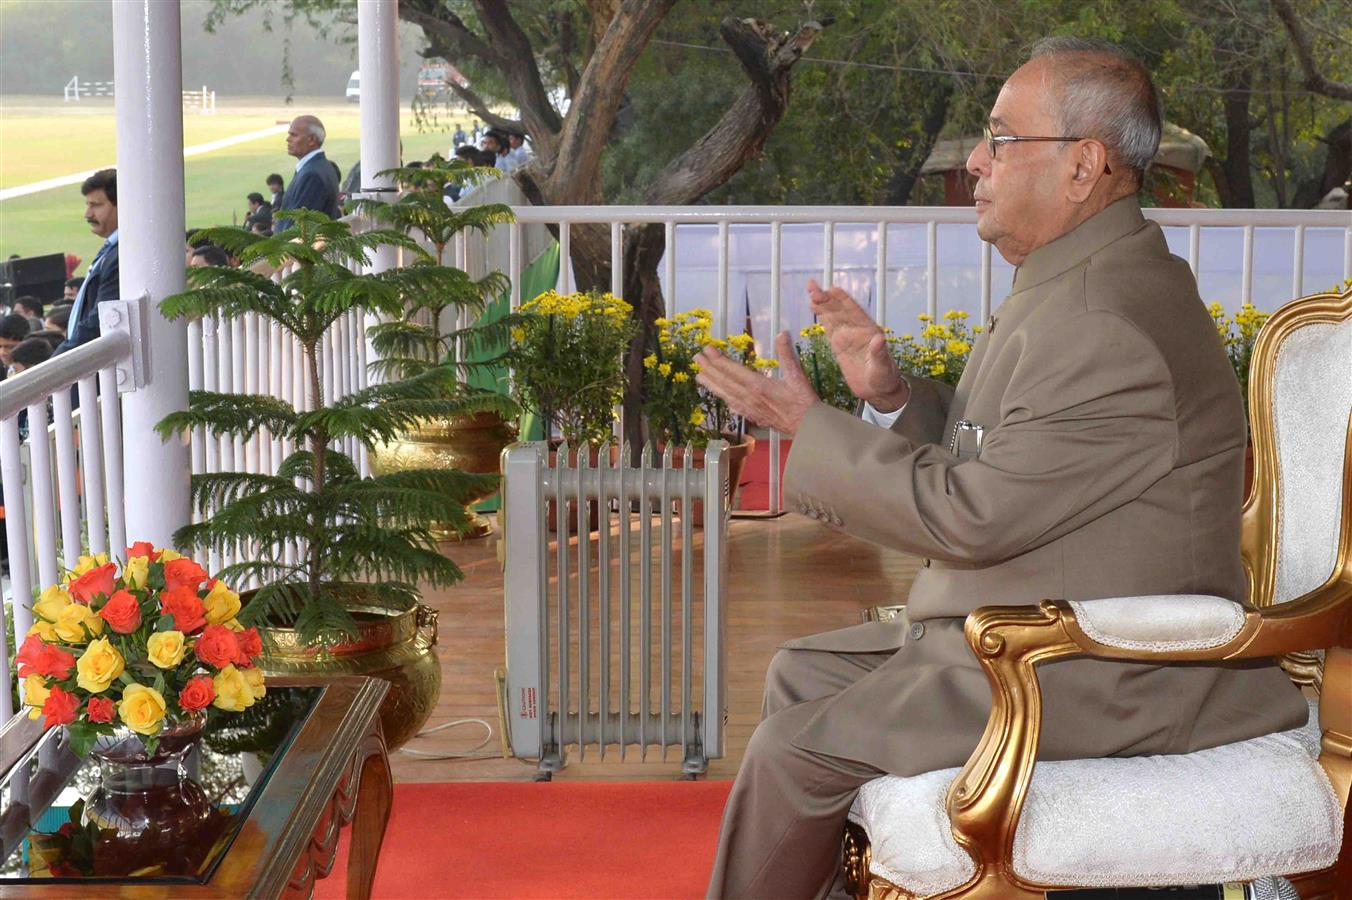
(422, 338)
(348, 601)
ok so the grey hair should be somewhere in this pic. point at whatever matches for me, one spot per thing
(1106, 93)
(316, 129)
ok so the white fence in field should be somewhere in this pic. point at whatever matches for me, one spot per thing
(204, 100)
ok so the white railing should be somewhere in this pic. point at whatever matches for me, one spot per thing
(751, 263)
(204, 101)
(62, 493)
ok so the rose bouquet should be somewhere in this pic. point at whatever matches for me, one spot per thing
(678, 410)
(149, 648)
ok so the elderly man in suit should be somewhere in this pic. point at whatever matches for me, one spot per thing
(1093, 448)
(315, 184)
(101, 281)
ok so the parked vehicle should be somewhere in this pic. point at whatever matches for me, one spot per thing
(434, 80)
(354, 87)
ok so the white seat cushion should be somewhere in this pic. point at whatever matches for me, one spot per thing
(1240, 811)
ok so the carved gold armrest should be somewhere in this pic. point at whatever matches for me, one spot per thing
(987, 797)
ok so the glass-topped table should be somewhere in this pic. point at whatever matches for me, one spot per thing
(234, 817)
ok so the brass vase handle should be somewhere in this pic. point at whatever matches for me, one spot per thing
(427, 625)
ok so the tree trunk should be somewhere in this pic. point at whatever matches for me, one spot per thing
(1337, 168)
(1234, 173)
(908, 168)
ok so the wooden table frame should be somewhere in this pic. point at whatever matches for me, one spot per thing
(335, 771)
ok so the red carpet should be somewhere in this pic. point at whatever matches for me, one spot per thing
(755, 480)
(634, 839)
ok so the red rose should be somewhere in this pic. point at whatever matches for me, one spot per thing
(197, 693)
(217, 646)
(250, 646)
(188, 610)
(37, 657)
(94, 582)
(183, 571)
(101, 709)
(143, 548)
(60, 707)
(122, 612)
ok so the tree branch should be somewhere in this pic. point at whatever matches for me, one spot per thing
(1314, 79)
(517, 64)
(448, 30)
(743, 130)
(479, 107)
(587, 129)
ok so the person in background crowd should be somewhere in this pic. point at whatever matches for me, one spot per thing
(315, 184)
(72, 288)
(53, 339)
(14, 328)
(100, 284)
(58, 317)
(208, 255)
(260, 212)
(29, 353)
(32, 308)
(517, 152)
(277, 188)
(495, 143)
(459, 137)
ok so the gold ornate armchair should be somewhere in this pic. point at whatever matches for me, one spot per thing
(1274, 805)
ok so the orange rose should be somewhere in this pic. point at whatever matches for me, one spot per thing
(101, 709)
(183, 571)
(217, 646)
(122, 612)
(250, 646)
(37, 657)
(60, 707)
(96, 581)
(182, 602)
(143, 548)
(197, 693)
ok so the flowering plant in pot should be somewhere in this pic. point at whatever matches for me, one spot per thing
(678, 411)
(567, 362)
(819, 363)
(942, 350)
(140, 656)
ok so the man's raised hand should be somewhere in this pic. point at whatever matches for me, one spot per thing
(860, 348)
(778, 403)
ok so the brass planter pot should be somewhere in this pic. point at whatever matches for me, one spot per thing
(465, 443)
(394, 643)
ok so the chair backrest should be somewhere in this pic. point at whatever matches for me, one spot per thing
(1298, 518)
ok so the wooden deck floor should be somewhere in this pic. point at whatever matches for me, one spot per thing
(787, 577)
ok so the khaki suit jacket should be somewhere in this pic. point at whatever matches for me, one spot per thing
(1111, 465)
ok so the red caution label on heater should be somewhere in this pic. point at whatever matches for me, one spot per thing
(527, 703)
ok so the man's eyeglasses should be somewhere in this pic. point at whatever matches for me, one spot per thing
(993, 141)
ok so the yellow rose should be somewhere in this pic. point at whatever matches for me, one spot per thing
(167, 555)
(234, 625)
(222, 604)
(166, 648)
(44, 630)
(135, 572)
(85, 564)
(142, 709)
(233, 692)
(35, 691)
(72, 621)
(254, 679)
(53, 600)
(99, 666)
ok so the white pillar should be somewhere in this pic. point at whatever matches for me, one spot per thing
(148, 81)
(378, 61)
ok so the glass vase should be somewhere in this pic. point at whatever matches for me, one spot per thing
(152, 815)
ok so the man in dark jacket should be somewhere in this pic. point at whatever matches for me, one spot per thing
(315, 184)
(100, 284)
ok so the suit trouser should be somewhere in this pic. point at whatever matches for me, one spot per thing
(785, 818)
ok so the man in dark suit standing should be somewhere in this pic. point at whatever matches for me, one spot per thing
(315, 184)
(100, 283)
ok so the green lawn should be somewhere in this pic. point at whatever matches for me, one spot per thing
(38, 142)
